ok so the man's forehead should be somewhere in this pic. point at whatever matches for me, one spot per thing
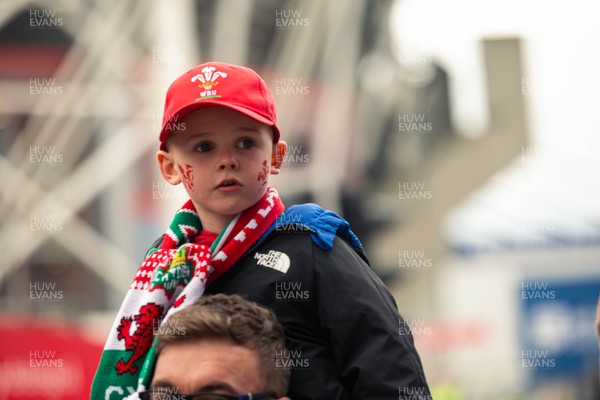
(211, 386)
(201, 365)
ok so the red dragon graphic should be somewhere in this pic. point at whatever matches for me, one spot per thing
(141, 340)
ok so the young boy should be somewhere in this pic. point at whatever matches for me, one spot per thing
(221, 140)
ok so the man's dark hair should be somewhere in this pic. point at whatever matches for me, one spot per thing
(232, 317)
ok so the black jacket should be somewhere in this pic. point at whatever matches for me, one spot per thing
(343, 330)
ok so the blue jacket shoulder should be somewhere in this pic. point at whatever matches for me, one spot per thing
(323, 225)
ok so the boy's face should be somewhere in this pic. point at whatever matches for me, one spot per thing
(224, 159)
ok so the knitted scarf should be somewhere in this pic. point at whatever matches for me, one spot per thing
(171, 278)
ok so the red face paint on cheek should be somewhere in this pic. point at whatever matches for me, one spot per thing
(263, 174)
(187, 175)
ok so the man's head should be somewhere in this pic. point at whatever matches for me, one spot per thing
(222, 344)
(221, 139)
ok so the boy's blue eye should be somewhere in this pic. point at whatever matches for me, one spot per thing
(245, 144)
(204, 147)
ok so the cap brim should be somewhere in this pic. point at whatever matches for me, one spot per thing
(164, 133)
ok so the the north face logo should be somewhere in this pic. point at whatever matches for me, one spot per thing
(274, 259)
(208, 82)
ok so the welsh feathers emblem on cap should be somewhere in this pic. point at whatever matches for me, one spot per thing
(208, 82)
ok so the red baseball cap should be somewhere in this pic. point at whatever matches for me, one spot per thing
(219, 84)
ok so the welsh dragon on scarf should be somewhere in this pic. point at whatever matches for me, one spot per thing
(171, 278)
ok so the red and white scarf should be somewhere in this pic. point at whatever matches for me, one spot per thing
(171, 278)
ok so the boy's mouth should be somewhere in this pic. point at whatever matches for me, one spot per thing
(228, 183)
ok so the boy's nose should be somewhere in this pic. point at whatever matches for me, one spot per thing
(228, 162)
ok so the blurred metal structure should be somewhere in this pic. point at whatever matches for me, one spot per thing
(118, 60)
(111, 88)
(76, 112)
(463, 165)
(96, 123)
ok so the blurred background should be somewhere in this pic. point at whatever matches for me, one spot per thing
(459, 138)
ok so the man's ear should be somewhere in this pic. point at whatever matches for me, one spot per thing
(167, 167)
(277, 156)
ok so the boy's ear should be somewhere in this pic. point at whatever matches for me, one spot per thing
(279, 150)
(167, 167)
